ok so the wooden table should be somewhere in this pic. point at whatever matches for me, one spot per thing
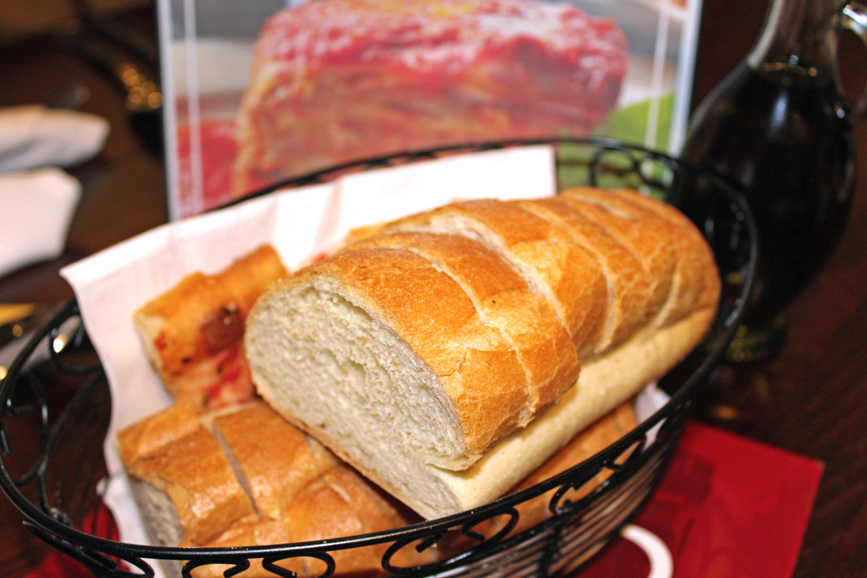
(810, 400)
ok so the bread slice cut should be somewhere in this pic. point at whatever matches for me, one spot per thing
(400, 345)
(554, 266)
(333, 502)
(643, 236)
(186, 486)
(503, 299)
(630, 283)
(692, 287)
(243, 476)
(340, 504)
(391, 354)
(274, 461)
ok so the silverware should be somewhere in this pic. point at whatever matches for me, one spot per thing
(16, 318)
(20, 322)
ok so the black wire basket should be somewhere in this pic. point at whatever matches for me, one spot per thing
(54, 481)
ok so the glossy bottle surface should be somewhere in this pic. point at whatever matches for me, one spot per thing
(783, 134)
(779, 128)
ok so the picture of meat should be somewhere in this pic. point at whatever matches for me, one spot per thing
(218, 150)
(333, 81)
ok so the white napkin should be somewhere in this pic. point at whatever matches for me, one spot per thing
(33, 136)
(36, 208)
(38, 199)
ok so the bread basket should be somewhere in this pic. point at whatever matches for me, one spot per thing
(54, 481)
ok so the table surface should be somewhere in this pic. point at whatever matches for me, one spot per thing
(810, 399)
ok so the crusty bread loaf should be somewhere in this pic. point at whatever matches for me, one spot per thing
(504, 300)
(185, 474)
(299, 490)
(340, 504)
(343, 503)
(692, 289)
(553, 265)
(274, 461)
(192, 333)
(397, 355)
(244, 476)
(373, 365)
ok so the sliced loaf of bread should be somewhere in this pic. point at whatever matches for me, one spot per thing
(431, 355)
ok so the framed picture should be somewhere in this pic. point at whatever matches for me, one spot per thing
(256, 92)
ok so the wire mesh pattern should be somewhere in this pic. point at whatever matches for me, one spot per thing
(54, 480)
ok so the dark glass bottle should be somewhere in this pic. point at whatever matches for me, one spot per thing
(779, 126)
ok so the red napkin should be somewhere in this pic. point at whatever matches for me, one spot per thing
(56, 564)
(728, 507)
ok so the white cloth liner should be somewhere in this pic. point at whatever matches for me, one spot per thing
(37, 198)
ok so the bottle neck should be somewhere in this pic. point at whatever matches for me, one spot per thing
(798, 35)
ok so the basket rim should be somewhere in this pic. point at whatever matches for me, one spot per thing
(40, 522)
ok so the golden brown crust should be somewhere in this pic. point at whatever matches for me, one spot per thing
(152, 434)
(251, 532)
(274, 458)
(341, 504)
(195, 319)
(477, 366)
(302, 490)
(646, 238)
(318, 514)
(608, 269)
(503, 299)
(561, 270)
(198, 478)
(437, 292)
(696, 284)
(250, 276)
(629, 280)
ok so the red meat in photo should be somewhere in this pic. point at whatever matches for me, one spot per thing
(338, 80)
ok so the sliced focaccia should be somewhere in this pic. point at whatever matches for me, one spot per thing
(192, 333)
